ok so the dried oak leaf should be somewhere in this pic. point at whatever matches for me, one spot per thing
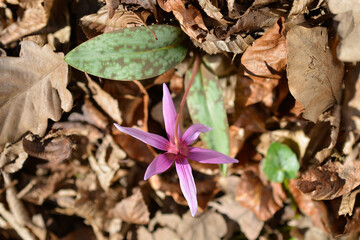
(314, 75)
(263, 200)
(34, 18)
(348, 27)
(312, 208)
(331, 180)
(97, 23)
(266, 58)
(132, 209)
(33, 89)
(189, 17)
(299, 7)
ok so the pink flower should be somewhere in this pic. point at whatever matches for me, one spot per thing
(178, 154)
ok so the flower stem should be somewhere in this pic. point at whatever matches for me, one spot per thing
(194, 71)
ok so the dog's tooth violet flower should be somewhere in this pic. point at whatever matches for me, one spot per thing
(177, 150)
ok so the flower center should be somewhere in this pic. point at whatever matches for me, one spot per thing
(178, 149)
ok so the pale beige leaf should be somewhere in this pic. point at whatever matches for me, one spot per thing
(299, 7)
(348, 27)
(314, 75)
(249, 224)
(32, 89)
(208, 226)
(132, 209)
(33, 20)
(12, 157)
(347, 203)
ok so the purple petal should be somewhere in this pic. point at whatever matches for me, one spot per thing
(187, 183)
(193, 132)
(154, 140)
(208, 156)
(169, 113)
(160, 164)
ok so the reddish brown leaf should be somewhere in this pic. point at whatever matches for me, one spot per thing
(266, 58)
(263, 200)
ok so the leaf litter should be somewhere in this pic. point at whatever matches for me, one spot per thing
(286, 72)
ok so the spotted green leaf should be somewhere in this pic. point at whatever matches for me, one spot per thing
(206, 106)
(130, 54)
(280, 163)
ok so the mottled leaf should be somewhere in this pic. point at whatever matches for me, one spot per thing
(206, 106)
(280, 162)
(130, 54)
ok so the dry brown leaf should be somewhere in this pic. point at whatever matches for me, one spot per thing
(99, 22)
(266, 58)
(12, 157)
(33, 19)
(52, 148)
(314, 75)
(147, 4)
(230, 44)
(331, 180)
(249, 224)
(347, 203)
(208, 226)
(108, 104)
(112, 6)
(312, 208)
(263, 200)
(105, 163)
(253, 20)
(33, 89)
(132, 209)
(347, 15)
(323, 137)
(351, 108)
(212, 11)
(189, 17)
(299, 7)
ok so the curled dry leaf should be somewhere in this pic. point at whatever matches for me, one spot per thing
(34, 18)
(212, 11)
(249, 224)
(347, 203)
(132, 209)
(314, 75)
(323, 138)
(266, 58)
(147, 4)
(299, 7)
(331, 180)
(112, 6)
(189, 17)
(99, 22)
(312, 208)
(263, 200)
(105, 163)
(33, 89)
(56, 148)
(12, 157)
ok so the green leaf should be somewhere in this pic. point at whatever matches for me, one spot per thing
(206, 106)
(280, 162)
(130, 54)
